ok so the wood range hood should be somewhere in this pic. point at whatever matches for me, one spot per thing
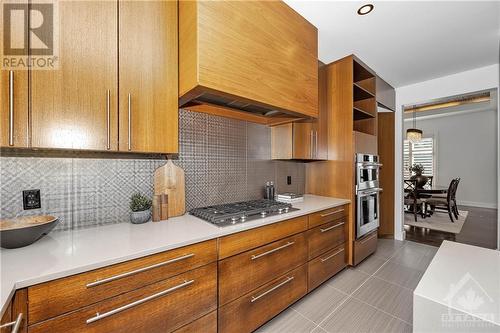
(237, 63)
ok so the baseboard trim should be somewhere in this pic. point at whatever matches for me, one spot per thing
(478, 204)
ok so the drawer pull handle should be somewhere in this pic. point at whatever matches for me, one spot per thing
(255, 298)
(140, 270)
(257, 256)
(11, 108)
(331, 213)
(331, 256)
(367, 239)
(99, 316)
(332, 227)
(15, 324)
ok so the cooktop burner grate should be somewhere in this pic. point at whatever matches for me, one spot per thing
(238, 212)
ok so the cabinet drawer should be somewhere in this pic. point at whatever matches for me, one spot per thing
(160, 307)
(255, 308)
(364, 247)
(325, 237)
(56, 297)
(325, 266)
(250, 239)
(327, 215)
(249, 270)
(206, 324)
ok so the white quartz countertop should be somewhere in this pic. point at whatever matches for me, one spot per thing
(65, 253)
(463, 279)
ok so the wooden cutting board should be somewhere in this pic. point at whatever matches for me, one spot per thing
(169, 179)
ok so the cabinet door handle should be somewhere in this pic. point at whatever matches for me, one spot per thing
(99, 316)
(108, 119)
(331, 213)
(129, 122)
(257, 256)
(311, 145)
(316, 144)
(332, 227)
(288, 279)
(331, 255)
(11, 108)
(15, 324)
(140, 270)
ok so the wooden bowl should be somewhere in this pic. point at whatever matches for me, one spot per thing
(25, 230)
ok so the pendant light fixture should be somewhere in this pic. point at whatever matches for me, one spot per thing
(414, 134)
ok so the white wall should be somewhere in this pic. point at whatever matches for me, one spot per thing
(466, 147)
(469, 81)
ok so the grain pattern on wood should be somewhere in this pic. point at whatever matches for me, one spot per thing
(250, 239)
(160, 314)
(242, 315)
(365, 246)
(327, 215)
(326, 237)
(385, 140)
(69, 105)
(325, 266)
(206, 324)
(148, 72)
(242, 273)
(303, 141)
(365, 143)
(282, 142)
(261, 51)
(20, 305)
(20, 109)
(60, 296)
(169, 179)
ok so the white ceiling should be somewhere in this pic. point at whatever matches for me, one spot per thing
(408, 41)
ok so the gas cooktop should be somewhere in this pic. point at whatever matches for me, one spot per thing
(239, 212)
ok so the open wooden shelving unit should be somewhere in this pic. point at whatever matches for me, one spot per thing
(352, 128)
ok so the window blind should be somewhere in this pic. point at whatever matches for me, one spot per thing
(421, 152)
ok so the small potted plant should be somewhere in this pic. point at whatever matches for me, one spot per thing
(140, 206)
(418, 169)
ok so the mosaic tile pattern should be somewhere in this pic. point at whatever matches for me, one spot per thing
(224, 160)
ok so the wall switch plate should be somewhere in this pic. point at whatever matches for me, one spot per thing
(31, 199)
(289, 180)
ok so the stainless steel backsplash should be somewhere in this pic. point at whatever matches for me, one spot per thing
(225, 160)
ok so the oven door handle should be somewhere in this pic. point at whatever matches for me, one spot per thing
(371, 191)
(369, 164)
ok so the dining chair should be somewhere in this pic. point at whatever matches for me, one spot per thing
(411, 199)
(446, 203)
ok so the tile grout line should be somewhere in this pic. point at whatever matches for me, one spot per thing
(387, 313)
(309, 320)
(362, 284)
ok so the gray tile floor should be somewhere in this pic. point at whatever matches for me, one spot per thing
(376, 296)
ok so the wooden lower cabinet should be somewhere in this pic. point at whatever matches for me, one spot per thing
(160, 307)
(206, 324)
(327, 215)
(57, 297)
(248, 312)
(16, 314)
(325, 237)
(245, 272)
(325, 266)
(365, 246)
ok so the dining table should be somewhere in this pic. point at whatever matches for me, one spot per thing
(424, 192)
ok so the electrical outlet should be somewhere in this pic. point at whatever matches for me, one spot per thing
(289, 180)
(31, 199)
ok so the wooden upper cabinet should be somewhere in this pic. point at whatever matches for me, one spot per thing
(75, 107)
(13, 102)
(148, 76)
(256, 56)
(386, 94)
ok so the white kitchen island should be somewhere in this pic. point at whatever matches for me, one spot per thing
(459, 292)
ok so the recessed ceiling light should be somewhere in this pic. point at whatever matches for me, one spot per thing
(365, 9)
